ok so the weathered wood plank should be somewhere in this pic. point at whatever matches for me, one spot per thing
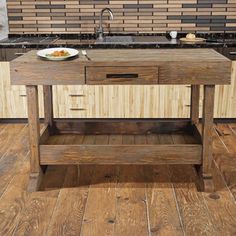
(37, 213)
(192, 208)
(221, 205)
(48, 105)
(207, 132)
(67, 217)
(9, 131)
(115, 139)
(225, 160)
(175, 66)
(131, 209)
(162, 208)
(195, 96)
(121, 154)
(34, 136)
(11, 161)
(100, 211)
(13, 201)
(121, 126)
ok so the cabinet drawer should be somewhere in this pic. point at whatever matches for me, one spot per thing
(121, 75)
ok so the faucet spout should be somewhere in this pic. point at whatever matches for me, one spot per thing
(100, 28)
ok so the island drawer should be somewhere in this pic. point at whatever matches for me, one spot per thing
(121, 75)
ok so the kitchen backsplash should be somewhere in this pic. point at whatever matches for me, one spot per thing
(130, 16)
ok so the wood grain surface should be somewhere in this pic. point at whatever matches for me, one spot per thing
(118, 101)
(149, 200)
(175, 66)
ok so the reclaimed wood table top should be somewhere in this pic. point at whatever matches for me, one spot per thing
(201, 66)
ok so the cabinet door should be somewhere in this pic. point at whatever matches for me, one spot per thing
(121, 101)
(68, 101)
(225, 97)
(13, 98)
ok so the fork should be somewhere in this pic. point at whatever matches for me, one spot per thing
(84, 53)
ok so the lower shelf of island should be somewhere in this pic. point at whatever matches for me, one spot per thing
(120, 142)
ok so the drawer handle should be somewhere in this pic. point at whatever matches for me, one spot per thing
(126, 76)
(76, 95)
(232, 53)
(19, 53)
(77, 109)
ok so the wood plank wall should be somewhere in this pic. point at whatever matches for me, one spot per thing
(133, 16)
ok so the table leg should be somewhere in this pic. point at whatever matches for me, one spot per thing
(34, 134)
(48, 105)
(207, 132)
(195, 95)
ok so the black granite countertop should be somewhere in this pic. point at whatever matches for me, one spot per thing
(89, 41)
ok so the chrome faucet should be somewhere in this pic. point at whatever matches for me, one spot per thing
(100, 28)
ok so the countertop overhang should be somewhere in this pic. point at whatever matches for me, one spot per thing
(170, 66)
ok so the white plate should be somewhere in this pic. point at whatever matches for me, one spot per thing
(44, 53)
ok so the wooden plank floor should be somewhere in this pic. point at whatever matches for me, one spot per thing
(116, 200)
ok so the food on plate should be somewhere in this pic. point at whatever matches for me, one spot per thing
(61, 53)
(190, 36)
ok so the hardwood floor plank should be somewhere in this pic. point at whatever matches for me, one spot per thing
(227, 136)
(53, 178)
(100, 211)
(193, 210)
(68, 214)
(221, 206)
(37, 213)
(11, 162)
(39, 207)
(163, 212)
(11, 132)
(13, 201)
(2, 128)
(131, 215)
(119, 204)
(71, 179)
(225, 160)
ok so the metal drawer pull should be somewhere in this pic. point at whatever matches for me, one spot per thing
(23, 95)
(76, 95)
(232, 53)
(19, 53)
(77, 109)
(127, 76)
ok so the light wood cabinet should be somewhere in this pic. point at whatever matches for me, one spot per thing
(115, 101)
(13, 102)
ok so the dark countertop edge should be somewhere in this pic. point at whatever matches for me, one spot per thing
(226, 35)
(120, 45)
(88, 41)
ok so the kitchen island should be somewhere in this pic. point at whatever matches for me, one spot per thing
(127, 141)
